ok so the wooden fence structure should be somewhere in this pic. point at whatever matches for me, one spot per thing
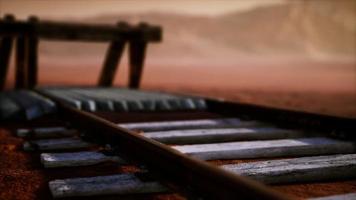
(25, 36)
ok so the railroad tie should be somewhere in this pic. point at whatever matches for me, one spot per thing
(304, 169)
(348, 196)
(23, 104)
(194, 136)
(124, 100)
(46, 132)
(55, 144)
(189, 124)
(8, 108)
(268, 148)
(120, 184)
(83, 158)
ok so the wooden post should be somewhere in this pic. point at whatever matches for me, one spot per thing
(5, 53)
(112, 59)
(137, 51)
(32, 55)
(20, 74)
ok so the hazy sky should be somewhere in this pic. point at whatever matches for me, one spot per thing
(82, 8)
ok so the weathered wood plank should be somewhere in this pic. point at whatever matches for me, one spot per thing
(46, 132)
(74, 98)
(81, 32)
(6, 44)
(83, 158)
(64, 96)
(145, 100)
(192, 136)
(31, 104)
(87, 103)
(8, 108)
(124, 100)
(5, 53)
(86, 32)
(47, 105)
(21, 64)
(137, 51)
(268, 148)
(304, 169)
(29, 107)
(32, 56)
(348, 196)
(103, 185)
(112, 59)
(71, 98)
(113, 56)
(55, 144)
(188, 124)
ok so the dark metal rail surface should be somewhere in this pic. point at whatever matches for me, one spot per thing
(341, 127)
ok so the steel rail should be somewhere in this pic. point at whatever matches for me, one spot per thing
(335, 126)
(190, 176)
(341, 127)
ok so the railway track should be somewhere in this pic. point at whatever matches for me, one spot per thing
(194, 152)
(108, 143)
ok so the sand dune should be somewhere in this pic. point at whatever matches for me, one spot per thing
(306, 29)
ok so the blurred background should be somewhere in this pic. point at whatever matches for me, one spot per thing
(291, 54)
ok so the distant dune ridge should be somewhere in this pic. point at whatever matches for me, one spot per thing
(296, 29)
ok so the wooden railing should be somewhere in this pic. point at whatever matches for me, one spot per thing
(27, 35)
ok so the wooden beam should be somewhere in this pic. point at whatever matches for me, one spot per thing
(56, 144)
(337, 197)
(303, 169)
(137, 50)
(30, 32)
(112, 59)
(189, 124)
(32, 52)
(213, 135)
(113, 56)
(5, 53)
(121, 184)
(20, 74)
(268, 148)
(81, 32)
(46, 132)
(72, 159)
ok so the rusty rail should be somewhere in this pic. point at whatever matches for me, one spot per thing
(340, 127)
